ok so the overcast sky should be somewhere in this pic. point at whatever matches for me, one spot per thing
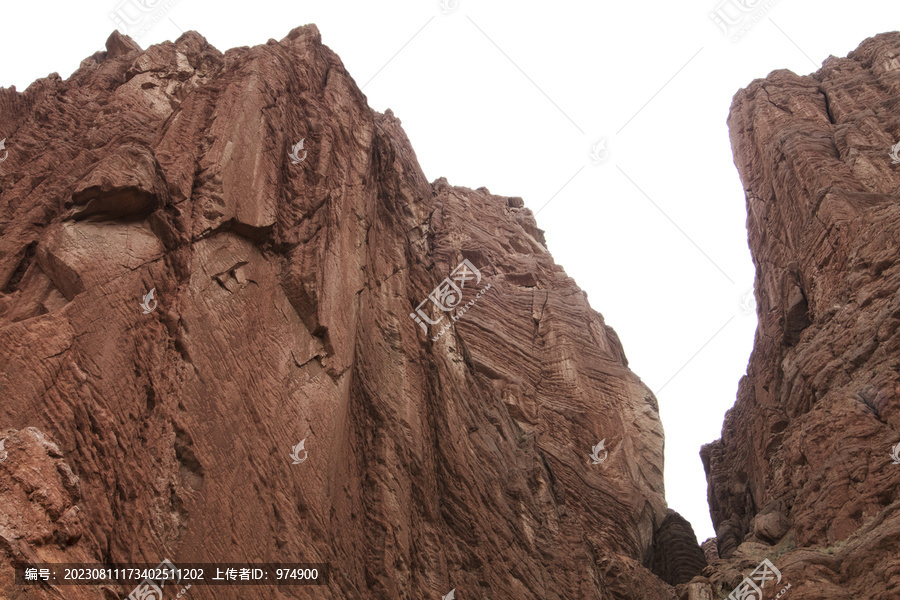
(514, 96)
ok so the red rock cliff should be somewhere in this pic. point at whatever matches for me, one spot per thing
(140, 428)
(803, 472)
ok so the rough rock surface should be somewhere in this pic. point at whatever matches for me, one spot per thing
(676, 557)
(140, 428)
(803, 472)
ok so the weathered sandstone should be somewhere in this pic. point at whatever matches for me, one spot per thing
(140, 428)
(803, 471)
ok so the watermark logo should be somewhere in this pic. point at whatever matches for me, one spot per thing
(448, 6)
(137, 17)
(4, 454)
(599, 153)
(152, 589)
(450, 596)
(3, 147)
(596, 450)
(736, 17)
(150, 297)
(751, 587)
(296, 450)
(447, 296)
(894, 153)
(748, 303)
(295, 152)
(895, 453)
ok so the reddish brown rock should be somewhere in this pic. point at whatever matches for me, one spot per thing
(282, 294)
(710, 550)
(41, 504)
(803, 474)
(676, 557)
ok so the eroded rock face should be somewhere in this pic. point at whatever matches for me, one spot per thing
(282, 295)
(803, 469)
(676, 556)
(41, 505)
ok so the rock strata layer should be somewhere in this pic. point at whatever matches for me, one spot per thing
(186, 295)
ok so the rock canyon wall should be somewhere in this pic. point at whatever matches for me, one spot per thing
(282, 394)
(803, 473)
(238, 325)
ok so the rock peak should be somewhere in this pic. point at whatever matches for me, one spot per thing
(118, 44)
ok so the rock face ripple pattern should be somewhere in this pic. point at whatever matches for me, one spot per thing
(803, 470)
(145, 426)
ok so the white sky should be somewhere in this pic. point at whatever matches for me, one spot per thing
(512, 96)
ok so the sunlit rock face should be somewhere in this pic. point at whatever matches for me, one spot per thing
(220, 344)
(803, 470)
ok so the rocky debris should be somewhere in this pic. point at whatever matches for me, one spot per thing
(803, 473)
(181, 303)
